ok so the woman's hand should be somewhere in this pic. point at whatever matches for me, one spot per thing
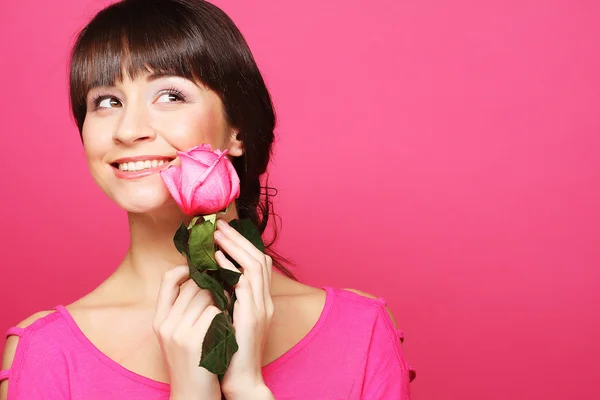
(182, 317)
(252, 314)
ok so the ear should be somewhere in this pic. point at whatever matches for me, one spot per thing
(235, 145)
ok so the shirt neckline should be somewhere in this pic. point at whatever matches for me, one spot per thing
(278, 362)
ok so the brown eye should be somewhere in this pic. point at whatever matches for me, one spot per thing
(108, 102)
(171, 95)
(169, 98)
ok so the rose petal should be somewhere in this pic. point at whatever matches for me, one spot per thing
(207, 181)
(226, 181)
(172, 179)
(235, 182)
(210, 169)
(211, 192)
(192, 169)
(202, 146)
(209, 198)
(203, 153)
(204, 158)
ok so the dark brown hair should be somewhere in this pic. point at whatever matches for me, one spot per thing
(196, 40)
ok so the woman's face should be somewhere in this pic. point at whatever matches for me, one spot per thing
(133, 129)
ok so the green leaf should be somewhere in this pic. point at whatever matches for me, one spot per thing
(231, 278)
(190, 264)
(224, 211)
(205, 281)
(193, 222)
(232, 304)
(219, 345)
(202, 246)
(181, 238)
(210, 217)
(249, 231)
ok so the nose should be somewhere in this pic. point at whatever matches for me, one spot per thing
(133, 125)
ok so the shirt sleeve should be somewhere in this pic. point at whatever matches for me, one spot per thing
(39, 369)
(387, 374)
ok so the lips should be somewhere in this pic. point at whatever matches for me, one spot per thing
(140, 166)
(143, 158)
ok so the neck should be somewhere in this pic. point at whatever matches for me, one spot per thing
(152, 252)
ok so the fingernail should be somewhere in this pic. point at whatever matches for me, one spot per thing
(219, 235)
(221, 223)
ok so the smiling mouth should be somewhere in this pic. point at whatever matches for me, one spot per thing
(142, 165)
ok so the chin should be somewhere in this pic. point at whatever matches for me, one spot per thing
(145, 200)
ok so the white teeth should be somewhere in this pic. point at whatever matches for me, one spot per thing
(140, 165)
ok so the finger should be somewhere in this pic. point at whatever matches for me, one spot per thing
(267, 285)
(233, 249)
(270, 271)
(243, 289)
(197, 306)
(245, 305)
(168, 291)
(253, 268)
(225, 263)
(188, 291)
(203, 323)
(230, 232)
(265, 275)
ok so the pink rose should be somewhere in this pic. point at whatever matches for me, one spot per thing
(206, 182)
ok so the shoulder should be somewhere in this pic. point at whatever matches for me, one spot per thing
(34, 317)
(12, 342)
(383, 347)
(373, 297)
(397, 348)
(298, 299)
(311, 300)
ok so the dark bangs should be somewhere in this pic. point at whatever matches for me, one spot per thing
(165, 36)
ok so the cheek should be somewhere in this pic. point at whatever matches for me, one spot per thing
(193, 127)
(92, 142)
(90, 139)
(96, 141)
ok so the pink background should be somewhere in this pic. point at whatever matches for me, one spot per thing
(453, 169)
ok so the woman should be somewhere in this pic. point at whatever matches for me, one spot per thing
(150, 78)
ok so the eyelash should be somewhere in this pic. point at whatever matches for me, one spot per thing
(101, 96)
(175, 91)
(98, 98)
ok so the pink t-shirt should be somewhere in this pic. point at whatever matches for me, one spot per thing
(353, 352)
